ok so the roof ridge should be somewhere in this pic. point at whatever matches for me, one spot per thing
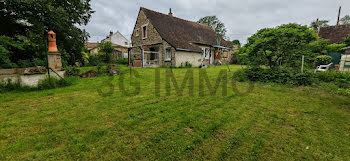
(173, 17)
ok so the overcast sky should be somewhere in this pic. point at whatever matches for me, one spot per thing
(242, 18)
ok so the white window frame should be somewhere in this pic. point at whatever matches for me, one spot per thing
(144, 35)
(168, 55)
(206, 53)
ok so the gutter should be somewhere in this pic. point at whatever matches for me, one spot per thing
(197, 51)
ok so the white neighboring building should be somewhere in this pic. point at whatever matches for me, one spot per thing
(119, 40)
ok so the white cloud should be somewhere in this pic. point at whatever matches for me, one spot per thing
(242, 18)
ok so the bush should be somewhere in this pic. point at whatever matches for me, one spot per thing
(335, 47)
(323, 60)
(52, 82)
(95, 60)
(72, 71)
(303, 79)
(242, 59)
(332, 76)
(123, 61)
(281, 75)
(9, 86)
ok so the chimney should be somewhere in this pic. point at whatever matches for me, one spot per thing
(170, 13)
(110, 34)
(53, 57)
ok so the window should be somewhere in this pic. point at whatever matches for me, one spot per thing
(144, 32)
(168, 54)
(137, 32)
(206, 53)
(126, 43)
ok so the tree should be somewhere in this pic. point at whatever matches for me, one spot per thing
(28, 21)
(321, 23)
(283, 45)
(347, 40)
(106, 47)
(345, 20)
(215, 23)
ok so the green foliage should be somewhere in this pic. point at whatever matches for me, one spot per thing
(9, 85)
(97, 59)
(72, 71)
(27, 22)
(283, 45)
(8, 47)
(242, 59)
(347, 40)
(235, 42)
(321, 23)
(107, 49)
(85, 57)
(52, 82)
(335, 47)
(279, 75)
(332, 76)
(215, 23)
(345, 20)
(319, 46)
(323, 60)
(123, 61)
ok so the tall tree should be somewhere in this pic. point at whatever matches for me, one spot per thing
(283, 45)
(215, 23)
(345, 20)
(321, 23)
(28, 21)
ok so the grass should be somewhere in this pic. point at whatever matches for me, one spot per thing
(273, 122)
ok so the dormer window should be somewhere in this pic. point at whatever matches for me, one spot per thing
(144, 32)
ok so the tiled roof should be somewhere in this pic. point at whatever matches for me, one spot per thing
(91, 45)
(335, 33)
(183, 34)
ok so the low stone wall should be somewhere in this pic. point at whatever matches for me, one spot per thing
(27, 76)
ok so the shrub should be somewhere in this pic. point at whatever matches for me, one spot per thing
(95, 60)
(332, 76)
(9, 85)
(123, 61)
(188, 65)
(281, 75)
(323, 60)
(72, 71)
(304, 79)
(242, 59)
(52, 82)
(335, 47)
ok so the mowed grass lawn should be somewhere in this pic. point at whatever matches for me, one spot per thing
(273, 122)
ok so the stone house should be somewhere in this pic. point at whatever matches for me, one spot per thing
(164, 40)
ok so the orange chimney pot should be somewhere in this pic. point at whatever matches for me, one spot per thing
(52, 42)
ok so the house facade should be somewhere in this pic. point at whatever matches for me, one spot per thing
(119, 42)
(164, 40)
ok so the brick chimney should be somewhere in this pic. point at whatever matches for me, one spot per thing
(54, 57)
(170, 13)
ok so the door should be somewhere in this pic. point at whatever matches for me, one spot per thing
(211, 59)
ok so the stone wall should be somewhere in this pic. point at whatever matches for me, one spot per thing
(26, 76)
(153, 36)
(191, 57)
